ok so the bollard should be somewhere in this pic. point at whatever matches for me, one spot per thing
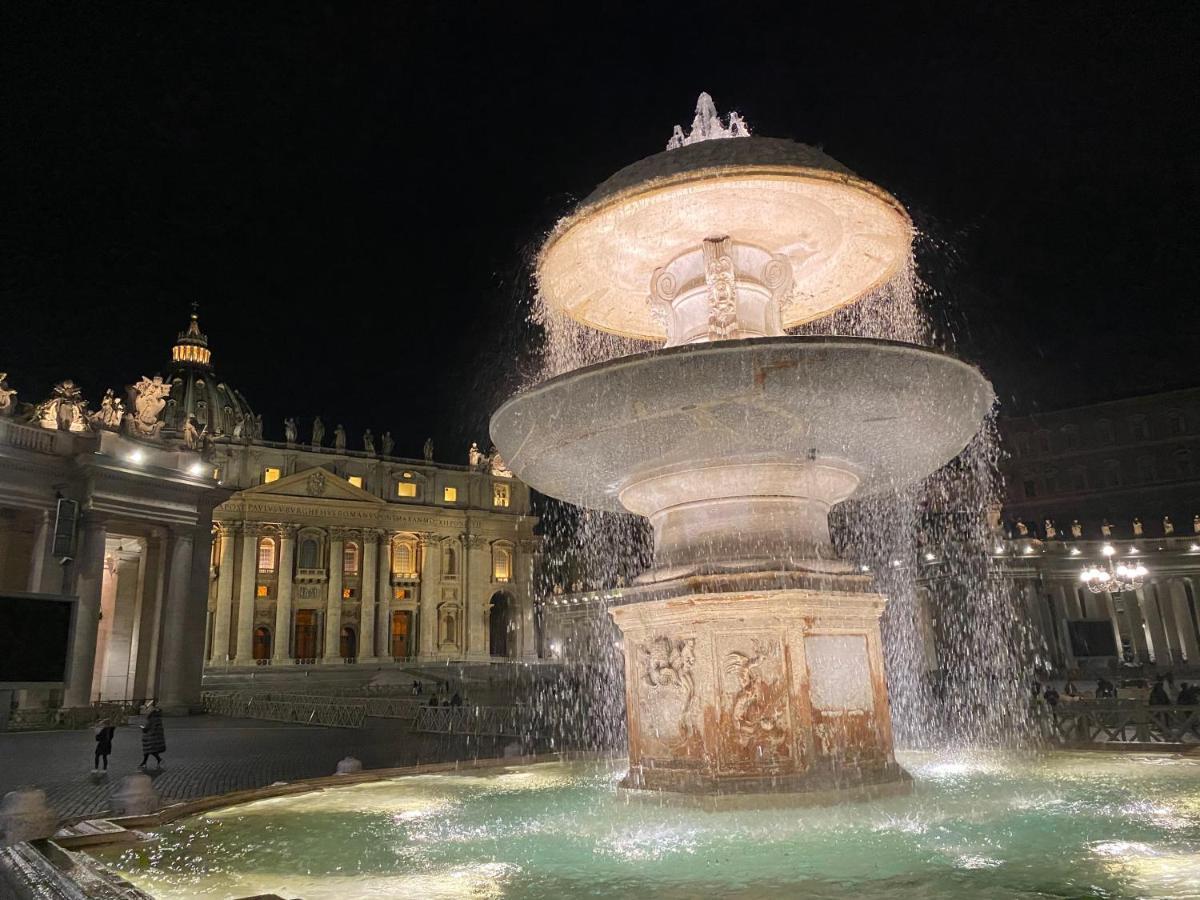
(349, 766)
(136, 796)
(26, 816)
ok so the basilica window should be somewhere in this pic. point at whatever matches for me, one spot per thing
(1071, 437)
(500, 494)
(1177, 421)
(1104, 431)
(1147, 471)
(356, 480)
(262, 591)
(450, 494)
(406, 489)
(449, 561)
(501, 563)
(1029, 485)
(266, 555)
(310, 554)
(270, 473)
(1184, 467)
(1138, 429)
(1079, 481)
(350, 559)
(404, 557)
(1050, 479)
(1112, 473)
(1043, 439)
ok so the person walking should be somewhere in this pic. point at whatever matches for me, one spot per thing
(154, 739)
(104, 737)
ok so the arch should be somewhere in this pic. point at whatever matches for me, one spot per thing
(348, 649)
(266, 554)
(350, 558)
(448, 623)
(262, 642)
(501, 622)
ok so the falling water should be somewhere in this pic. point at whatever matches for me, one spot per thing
(955, 639)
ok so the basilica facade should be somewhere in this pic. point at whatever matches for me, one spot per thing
(193, 545)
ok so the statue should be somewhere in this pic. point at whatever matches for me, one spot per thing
(339, 438)
(66, 409)
(369, 442)
(474, 457)
(258, 427)
(1076, 529)
(388, 444)
(428, 449)
(8, 397)
(1051, 533)
(1105, 528)
(1195, 524)
(110, 413)
(1168, 526)
(318, 432)
(707, 126)
(239, 429)
(290, 432)
(1022, 529)
(147, 397)
(497, 466)
(191, 434)
(1137, 527)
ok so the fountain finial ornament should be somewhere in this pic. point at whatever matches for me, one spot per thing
(707, 125)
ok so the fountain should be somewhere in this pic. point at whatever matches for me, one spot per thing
(753, 659)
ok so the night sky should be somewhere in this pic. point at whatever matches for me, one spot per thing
(353, 192)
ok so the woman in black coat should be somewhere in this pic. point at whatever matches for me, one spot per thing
(154, 739)
(104, 736)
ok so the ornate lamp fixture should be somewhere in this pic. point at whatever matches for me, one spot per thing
(1113, 579)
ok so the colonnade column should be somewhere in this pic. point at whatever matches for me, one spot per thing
(183, 617)
(224, 612)
(383, 599)
(37, 556)
(246, 583)
(522, 567)
(368, 582)
(1183, 617)
(281, 649)
(476, 572)
(1137, 626)
(430, 561)
(333, 602)
(89, 582)
(1158, 634)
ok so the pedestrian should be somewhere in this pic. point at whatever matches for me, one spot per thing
(1051, 696)
(104, 737)
(154, 739)
(456, 700)
(1159, 695)
(1189, 694)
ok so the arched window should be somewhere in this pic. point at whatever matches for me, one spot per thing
(1104, 431)
(266, 554)
(1079, 479)
(262, 642)
(1176, 421)
(1147, 472)
(1112, 473)
(1043, 439)
(404, 556)
(1071, 437)
(310, 553)
(349, 643)
(501, 563)
(1184, 467)
(1050, 478)
(350, 558)
(1139, 430)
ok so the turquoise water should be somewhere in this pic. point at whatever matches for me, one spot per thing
(980, 826)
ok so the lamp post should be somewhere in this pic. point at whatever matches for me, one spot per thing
(1113, 578)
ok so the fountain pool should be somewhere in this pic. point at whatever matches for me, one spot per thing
(984, 824)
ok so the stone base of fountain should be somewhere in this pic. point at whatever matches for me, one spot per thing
(759, 696)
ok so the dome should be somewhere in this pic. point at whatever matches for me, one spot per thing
(196, 390)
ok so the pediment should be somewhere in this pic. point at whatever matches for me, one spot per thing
(317, 483)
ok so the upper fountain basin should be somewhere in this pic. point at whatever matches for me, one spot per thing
(842, 235)
(880, 413)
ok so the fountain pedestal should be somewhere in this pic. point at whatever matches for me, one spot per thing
(736, 697)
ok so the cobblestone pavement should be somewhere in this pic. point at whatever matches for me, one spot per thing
(212, 755)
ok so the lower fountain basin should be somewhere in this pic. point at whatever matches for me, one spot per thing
(737, 450)
(978, 825)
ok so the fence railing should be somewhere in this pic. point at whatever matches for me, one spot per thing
(1117, 721)
(69, 717)
(496, 721)
(332, 712)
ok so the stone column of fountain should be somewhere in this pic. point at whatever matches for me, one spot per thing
(753, 660)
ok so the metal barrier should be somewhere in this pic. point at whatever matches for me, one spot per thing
(330, 712)
(1117, 721)
(393, 707)
(495, 721)
(70, 717)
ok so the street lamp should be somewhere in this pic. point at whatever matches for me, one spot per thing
(1110, 578)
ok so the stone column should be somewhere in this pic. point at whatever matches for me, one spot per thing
(281, 649)
(37, 556)
(89, 581)
(476, 579)
(183, 619)
(368, 580)
(1062, 614)
(1183, 616)
(116, 683)
(1158, 634)
(427, 628)
(1137, 626)
(333, 604)
(383, 599)
(154, 591)
(246, 583)
(224, 613)
(108, 605)
(1166, 610)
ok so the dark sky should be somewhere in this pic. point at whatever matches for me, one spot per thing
(352, 192)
